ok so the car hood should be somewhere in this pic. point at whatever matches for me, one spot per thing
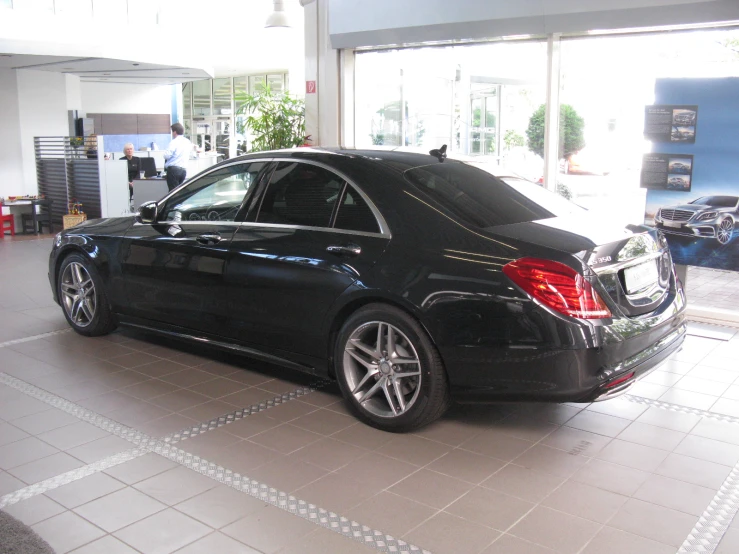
(688, 207)
(106, 226)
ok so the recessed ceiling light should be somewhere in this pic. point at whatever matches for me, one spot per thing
(136, 64)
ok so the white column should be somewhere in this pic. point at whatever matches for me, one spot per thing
(551, 127)
(322, 107)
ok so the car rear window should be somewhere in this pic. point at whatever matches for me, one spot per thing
(478, 198)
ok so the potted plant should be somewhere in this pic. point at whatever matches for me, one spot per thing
(274, 120)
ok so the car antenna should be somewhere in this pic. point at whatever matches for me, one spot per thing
(439, 153)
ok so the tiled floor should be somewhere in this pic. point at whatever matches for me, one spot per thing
(713, 288)
(612, 477)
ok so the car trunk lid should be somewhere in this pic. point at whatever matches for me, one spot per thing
(631, 263)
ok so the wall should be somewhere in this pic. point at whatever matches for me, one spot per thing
(385, 22)
(124, 98)
(42, 105)
(11, 157)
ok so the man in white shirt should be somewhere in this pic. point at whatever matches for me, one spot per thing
(176, 156)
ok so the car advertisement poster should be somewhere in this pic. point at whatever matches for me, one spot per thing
(667, 172)
(670, 123)
(693, 192)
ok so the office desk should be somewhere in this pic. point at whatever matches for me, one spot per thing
(146, 190)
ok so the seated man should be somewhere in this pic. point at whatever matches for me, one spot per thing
(134, 166)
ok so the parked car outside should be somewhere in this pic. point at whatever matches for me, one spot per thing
(411, 279)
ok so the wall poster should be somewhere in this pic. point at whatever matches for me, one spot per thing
(667, 172)
(670, 123)
(693, 189)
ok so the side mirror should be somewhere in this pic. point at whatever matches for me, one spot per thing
(148, 212)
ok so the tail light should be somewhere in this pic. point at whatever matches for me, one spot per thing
(557, 286)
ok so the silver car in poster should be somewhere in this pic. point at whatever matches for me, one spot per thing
(708, 217)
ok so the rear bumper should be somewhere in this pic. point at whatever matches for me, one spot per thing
(574, 361)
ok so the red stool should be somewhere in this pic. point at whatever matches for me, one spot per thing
(7, 222)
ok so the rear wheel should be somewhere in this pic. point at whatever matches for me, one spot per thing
(83, 298)
(389, 370)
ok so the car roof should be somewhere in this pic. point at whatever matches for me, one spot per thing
(388, 157)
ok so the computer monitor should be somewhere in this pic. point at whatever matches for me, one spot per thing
(149, 167)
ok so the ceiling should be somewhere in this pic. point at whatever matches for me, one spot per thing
(104, 69)
(227, 39)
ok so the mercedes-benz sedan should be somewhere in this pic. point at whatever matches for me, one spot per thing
(410, 279)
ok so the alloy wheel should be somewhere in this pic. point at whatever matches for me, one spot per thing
(725, 230)
(382, 369)
(78, 294)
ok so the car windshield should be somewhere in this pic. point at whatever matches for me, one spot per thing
(717, 201)
(479, 198)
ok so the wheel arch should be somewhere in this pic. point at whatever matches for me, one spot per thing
(340, 313)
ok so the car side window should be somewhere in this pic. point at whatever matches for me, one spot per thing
(354, 214)
(300, 194)
(217, 196)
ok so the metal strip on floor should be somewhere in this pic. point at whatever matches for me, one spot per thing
(34, 337)
(680, 409)
(279, 499)
(70, 477)
(128, 455)
(713, 524)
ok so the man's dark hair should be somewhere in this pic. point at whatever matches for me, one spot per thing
(178, 128)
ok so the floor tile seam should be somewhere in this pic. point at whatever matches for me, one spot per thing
(278, 499)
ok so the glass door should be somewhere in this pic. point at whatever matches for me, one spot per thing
(213, 134)
(484, 117)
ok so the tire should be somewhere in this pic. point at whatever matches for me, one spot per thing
(371, 382)
(89, 315)
(725, 231)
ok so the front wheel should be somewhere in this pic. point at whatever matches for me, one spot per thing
(389, 370)
(725, 231)
(82, 297)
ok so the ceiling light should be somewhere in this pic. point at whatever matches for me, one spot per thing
(136, 64)
(278, 18)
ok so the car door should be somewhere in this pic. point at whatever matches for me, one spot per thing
(173, 269)
(314, 234)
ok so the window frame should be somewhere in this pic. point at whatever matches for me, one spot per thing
(240, 211)
(384, 230)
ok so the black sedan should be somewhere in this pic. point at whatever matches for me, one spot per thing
(410, 279)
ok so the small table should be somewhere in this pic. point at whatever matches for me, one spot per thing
(18, 207)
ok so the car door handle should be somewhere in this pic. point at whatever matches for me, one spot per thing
(209, 238)
(348, 250)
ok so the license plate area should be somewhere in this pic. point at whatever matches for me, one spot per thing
(674, 224)
(640, 276)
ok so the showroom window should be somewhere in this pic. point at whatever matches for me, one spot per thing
(476, 99)
(300, 194)
(217, 196)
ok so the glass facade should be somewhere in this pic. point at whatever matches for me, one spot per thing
(477, 100)
(210, 110)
